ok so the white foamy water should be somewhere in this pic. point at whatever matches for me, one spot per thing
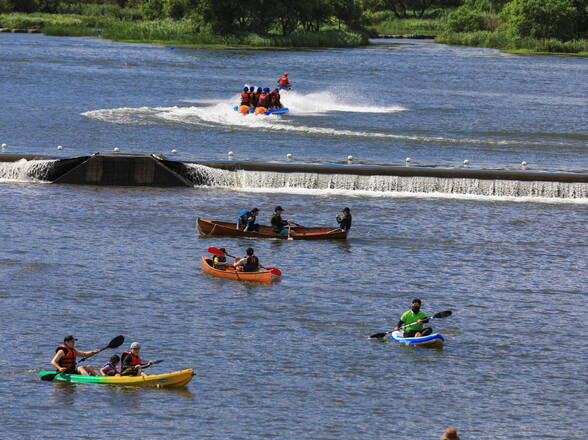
(25, 171)
(390, 186)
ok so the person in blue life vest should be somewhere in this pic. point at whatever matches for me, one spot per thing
(109, 368)
(65, 357)
(251, 219)
(415, 317)
(131, 362)
(249, 263)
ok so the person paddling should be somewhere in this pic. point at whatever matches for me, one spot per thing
(345, 219)
(416, 317)
(65, 356)
(249, 263)
(279, 225)
(251, 219)
(131, 361)
(220, 261)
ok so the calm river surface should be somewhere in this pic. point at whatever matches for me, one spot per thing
(291, 360)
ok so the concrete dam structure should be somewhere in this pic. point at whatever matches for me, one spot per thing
(153, 170)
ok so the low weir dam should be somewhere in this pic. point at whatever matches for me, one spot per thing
(153, 170)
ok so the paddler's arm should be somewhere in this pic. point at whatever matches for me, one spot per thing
(400, 324)
(86, 353)
(240, 262)
(55, 360)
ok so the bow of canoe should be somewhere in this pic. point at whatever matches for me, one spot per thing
(174, 379)
(261, 276)
(226, 229)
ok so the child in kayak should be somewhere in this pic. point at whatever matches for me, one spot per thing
(109, 368)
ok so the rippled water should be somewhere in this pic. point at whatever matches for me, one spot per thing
(291, 360)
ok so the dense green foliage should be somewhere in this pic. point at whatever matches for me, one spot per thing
(542, 25)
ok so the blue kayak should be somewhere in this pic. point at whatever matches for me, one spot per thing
(434, 340)
(275, 111)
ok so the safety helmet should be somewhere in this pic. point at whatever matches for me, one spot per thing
(285, 73)
(252, 89)
(259, 90)
(266, 90)
(245, 89)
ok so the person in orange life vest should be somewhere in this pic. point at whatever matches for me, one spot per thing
(245, 97)
(256, 96)
(284, 82)
(131, 362)
(264, 99)
(64, 359)
(109, 368)
(249, 263)
(275, 99)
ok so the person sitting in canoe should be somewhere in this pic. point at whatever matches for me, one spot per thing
(279, 225)
(284, 82)
(344, 220)
(64, 359)
(250, 220)
(249, 263)
(220, 261)
(109, 368)
(131, 361)
(416, 316)
(242, 220)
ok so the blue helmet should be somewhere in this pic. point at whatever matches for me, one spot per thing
(245, 211)
(252, 89)
(266, 90)
(245, 89)
(259, 90)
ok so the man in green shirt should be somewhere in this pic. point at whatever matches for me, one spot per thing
(414, 315)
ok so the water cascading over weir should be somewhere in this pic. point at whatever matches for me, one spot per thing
(157, 171)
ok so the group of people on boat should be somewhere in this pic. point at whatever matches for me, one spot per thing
(66, 354)
(264, 98)
(248, 263)
(247, 221)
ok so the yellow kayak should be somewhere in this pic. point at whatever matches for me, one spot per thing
(174, 379)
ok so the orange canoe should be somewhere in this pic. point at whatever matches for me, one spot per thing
(225, 229)
(262, 276)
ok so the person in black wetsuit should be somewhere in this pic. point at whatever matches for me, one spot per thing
(279, 225)
(344, 220)
(249, 263)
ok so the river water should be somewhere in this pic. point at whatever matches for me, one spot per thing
(291, 360)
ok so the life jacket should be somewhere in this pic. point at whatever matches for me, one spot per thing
(263, 100)
(276, 100)
(245, 98)
(219, 259)
(251, 265)
(69, 359)
(135, 360)
(109, 369)
(242, 220)
(283, 81)
(253, 97)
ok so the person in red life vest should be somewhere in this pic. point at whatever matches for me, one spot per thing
(109, 368)
(249, 263)
(64, 360)
(256, 96)
(284, 82)
(275, 99)
(264, 99)
(245, 96)
(252, 96)
(131, 362)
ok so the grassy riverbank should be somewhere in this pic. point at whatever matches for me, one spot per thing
(177, 32)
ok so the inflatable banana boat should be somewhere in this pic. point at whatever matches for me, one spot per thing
(245, 109)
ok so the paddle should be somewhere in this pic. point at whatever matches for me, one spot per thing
(215, 251)
(142, 366)
(116, 342)
(439, 315)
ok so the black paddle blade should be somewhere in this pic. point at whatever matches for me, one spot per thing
(49, 377)
(379, 335)
(117, 342)
(443, 314)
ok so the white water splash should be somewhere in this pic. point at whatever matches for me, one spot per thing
(390, 186)
(25, 171)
